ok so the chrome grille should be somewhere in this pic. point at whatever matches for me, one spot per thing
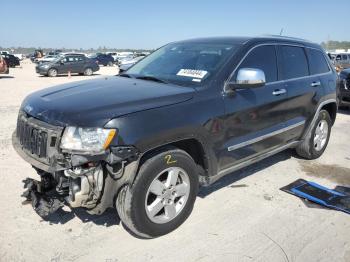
(37, 138)
(32, 138)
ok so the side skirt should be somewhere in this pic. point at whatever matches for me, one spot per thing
(206, 181)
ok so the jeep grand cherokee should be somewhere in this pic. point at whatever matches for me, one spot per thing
(186, 115)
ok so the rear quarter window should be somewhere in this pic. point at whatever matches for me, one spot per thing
(294, 62)
(318, 63)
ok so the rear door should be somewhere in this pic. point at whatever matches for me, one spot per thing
(302, 87)
(78, 67)
(254, 117)
(319, 67)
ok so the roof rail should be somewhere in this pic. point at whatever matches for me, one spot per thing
(286, 37)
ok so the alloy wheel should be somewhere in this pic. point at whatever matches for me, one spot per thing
(167, 195)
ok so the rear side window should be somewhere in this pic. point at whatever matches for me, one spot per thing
(263, 58)
(79, 58)
(344, 57)
(318, 63)
(294, 62)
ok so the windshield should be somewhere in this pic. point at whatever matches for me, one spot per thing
(184, 63)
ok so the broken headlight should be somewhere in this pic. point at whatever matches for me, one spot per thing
(91, 140)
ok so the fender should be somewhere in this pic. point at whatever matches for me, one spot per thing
(188, 120)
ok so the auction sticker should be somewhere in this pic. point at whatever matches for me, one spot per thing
(192, 73)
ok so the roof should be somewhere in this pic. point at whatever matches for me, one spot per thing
(244, 40)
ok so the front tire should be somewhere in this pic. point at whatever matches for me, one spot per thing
(316, 141)
(52, 72)
(162, 196)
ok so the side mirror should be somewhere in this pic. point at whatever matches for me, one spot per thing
(248, 78)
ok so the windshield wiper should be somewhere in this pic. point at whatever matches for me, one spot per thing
(125, 75)
(152, 78)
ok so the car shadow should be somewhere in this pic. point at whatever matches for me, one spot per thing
(108, 218)
(344, 111)
(4, 77)
(230, 179)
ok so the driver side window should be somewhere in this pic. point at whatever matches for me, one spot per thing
(263, 58)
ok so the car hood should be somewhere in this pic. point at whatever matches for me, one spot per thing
(93, 103)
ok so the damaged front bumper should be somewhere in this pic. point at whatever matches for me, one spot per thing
(78, 180)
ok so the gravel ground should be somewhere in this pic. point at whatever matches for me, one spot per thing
(243, 217)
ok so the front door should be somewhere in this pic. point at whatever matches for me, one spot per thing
(254, 121)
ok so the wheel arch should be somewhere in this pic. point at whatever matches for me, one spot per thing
(332, 109)
(330, 105)
(192, 146)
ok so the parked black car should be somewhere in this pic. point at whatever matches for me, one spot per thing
(11, 60)
(344, 88)
(186, 115)
(103, 59)
(73, 63)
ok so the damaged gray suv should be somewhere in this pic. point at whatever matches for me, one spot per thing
(183, 117)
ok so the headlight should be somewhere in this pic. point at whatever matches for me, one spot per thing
(92, 140)
(45, 66)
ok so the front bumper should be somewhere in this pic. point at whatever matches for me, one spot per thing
(72, 175)
(41, 71)
(33, 161)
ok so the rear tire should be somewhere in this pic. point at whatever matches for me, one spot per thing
(162, 195)
(88, 71)
(52, 72)
(316, 140)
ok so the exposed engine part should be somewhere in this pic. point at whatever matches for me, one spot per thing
(116, 171)
(45, 200)
(85, 186)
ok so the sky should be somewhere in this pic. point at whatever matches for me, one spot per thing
(151, 24)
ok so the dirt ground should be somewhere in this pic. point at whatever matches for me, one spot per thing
(243, 217)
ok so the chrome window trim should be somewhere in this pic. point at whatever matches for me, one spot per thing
(260, 138)
(278, 81)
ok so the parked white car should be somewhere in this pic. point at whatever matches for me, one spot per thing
(47, 58)
(127, 63)
(19, 56)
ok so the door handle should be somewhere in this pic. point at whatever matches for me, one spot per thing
(278, 92)
(314, 84)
